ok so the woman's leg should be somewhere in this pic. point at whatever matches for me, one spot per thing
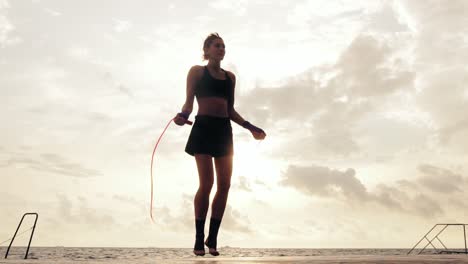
(202, 199)
(223, 179)
(206, 178)
(223, 182)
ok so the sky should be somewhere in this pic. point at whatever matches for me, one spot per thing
(364, 104)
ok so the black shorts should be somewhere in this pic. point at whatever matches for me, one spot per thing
(210, 135)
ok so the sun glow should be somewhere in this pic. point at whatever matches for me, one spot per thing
(250, 162)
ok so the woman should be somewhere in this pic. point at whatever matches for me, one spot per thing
(211, 137)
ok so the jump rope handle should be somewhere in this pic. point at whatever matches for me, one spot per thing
(186, 116)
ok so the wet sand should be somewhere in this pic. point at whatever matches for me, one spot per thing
(336, 259)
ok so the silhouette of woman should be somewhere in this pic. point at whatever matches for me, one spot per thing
(211, 137)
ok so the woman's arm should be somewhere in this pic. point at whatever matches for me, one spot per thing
(236, 117)
(190, 90)
(182, 117)
(233, 115)
(258, 133)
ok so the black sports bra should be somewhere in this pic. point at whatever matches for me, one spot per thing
(209, 86)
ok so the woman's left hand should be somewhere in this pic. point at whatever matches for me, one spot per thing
(259, 135)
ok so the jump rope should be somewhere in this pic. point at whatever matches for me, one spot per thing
(152, 159)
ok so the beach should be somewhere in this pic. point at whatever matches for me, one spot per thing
(229, 255)
(365, 259)
(103, 255)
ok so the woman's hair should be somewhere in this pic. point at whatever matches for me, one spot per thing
(208, 42)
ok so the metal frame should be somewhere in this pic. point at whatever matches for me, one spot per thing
(429, 242)
(30, 239)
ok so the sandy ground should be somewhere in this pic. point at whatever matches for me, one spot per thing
(279, 260)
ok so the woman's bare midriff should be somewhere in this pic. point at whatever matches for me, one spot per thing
(213, 106)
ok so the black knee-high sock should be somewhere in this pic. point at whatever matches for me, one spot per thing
(200, 235)
(213, 235)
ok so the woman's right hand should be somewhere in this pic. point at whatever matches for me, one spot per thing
(179, 120)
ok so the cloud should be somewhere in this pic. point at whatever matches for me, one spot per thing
(451, 130)
(52, 12)
(58, 164)
(127, 199)
(122, 25)
(410, 201)
(262, 183)
(323, 14)
(4, 4)
(440, 179)
(367, 69)
(243, 184)
(320, 108)
(403, 196)
(426, 206)
(47, 163)
(390, 197)
(114, 82)
(238, 7)
(323, 181)
(233, 220)
(446, 108)
(439, 43)
(93, 218)
(170, 221)
(387, 20)
(431, 16)
(64, 207)
(6, 27)
(12, 200)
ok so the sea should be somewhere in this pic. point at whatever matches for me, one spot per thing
(149, 255)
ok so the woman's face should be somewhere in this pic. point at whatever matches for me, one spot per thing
(216, 50)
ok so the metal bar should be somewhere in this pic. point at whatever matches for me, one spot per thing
(442, 243)
(421, 240)
(433, 239)
(464, 234)
(32, 233)
(425, 237)
(429, 242)
(13, 238)
(437, 237)
(19, 225)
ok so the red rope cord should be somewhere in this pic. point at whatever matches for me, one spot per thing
(152, 158)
